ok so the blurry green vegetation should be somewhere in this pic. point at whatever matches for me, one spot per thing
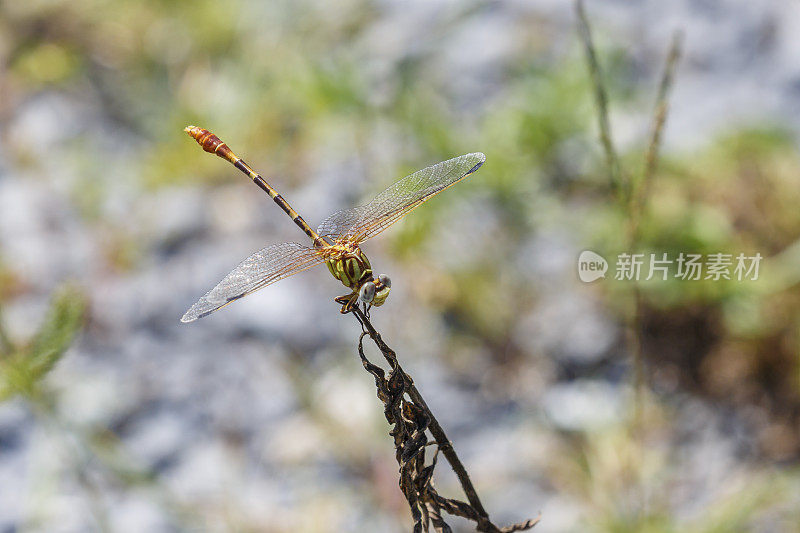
(22, 367)
(288, 84)
(620, 476)
(93, 456)
(739, 195)
(281, 80)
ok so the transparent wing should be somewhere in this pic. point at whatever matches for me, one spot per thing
(264, 267)
(365, 221)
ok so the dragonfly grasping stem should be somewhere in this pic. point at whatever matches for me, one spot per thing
(444, 445)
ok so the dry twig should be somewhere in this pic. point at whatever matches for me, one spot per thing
(411, 420)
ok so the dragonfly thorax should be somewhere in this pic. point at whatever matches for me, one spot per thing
(351, 266)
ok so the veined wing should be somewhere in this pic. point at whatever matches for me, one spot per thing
(365, 221)
(263, 268)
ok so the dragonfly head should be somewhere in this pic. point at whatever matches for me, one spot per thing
(375, 291)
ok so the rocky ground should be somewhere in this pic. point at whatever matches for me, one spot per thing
(260, 417)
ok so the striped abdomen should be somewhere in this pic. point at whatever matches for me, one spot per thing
(213, 144)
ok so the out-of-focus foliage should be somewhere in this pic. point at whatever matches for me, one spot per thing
(22, 367)
(619, 475)
(738, 341)
(332, 101)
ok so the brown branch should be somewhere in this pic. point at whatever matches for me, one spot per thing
(522, 526)
(411, 419)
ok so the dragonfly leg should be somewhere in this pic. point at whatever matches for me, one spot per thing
(347, 301)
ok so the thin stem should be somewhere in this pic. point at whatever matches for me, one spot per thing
(436, 429)
(6, 345)
(636, 209)
(635, 334)
(656, 131)
(601, 98)
(632, 193)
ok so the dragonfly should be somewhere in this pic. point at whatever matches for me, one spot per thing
(336, 242)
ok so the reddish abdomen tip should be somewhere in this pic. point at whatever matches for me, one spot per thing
(210, 142)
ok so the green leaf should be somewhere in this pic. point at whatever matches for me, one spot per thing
(21, 372)
(56, 334)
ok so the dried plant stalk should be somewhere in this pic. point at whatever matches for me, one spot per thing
(630, 193)
(619, 187)
(411, 419)
(656, 132)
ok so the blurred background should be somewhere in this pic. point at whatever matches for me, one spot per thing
(116, 417)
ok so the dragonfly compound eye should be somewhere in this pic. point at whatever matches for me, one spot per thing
(384, 279)
(367, 292)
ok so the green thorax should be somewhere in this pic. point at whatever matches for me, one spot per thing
(350, 268)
